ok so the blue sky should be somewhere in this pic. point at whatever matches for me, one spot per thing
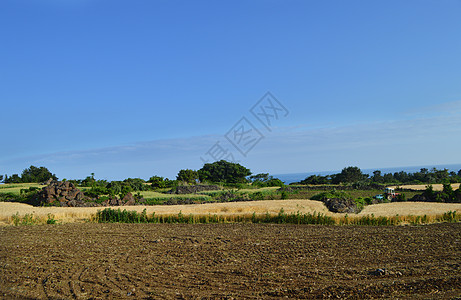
(141, 88)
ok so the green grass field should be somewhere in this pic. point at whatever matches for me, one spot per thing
(16, 188)
(157, 195)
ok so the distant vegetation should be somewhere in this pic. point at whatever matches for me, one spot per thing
(447, 195)
(353, 175)
(348, 191)
(31, 174)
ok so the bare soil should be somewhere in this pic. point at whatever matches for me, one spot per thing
(225, 261)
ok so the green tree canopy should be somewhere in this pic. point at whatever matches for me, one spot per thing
(34, 174)
(136, 184)
(157, 182)
(264, 179)
(377, 177)
(349, 175)
(316, 179)
(224, 171)
(187, 175)
(15, 178)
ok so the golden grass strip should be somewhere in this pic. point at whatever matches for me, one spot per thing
(81, 214)
(422, 187)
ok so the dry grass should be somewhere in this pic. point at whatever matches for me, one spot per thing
(63, 214)
(410, 209)
(422, 187)
(81, 214)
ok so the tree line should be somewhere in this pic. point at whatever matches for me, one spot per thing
(227, 173)
(31, 174)
(355, 175)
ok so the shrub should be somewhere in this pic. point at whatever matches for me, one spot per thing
(449, 216)
(11, 197)
(284, 195)
(401, 198)
(51, 219)
(27, 219)
(362, 202)
(257, 196)
(96, 191)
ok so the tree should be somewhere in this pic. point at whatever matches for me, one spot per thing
(420, 176)
(136, 184)
(457, 195)
(402, 176)
(349, 175)
(429, 192)
(441, 175)
(263, 177)
(187, 175)
(1, 178)
(454, 177)
(157, 182)
(13, 179)
(448, 192)
(224, 171)
(88, 181)
(377, 177)
(315, 179)
(264, 180)
(114, 188)
(34, 174)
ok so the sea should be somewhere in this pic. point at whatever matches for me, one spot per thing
(296, 177)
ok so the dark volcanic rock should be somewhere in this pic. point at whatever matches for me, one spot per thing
(63, 192)
(129, 199)
(115, 202)
(338, 205)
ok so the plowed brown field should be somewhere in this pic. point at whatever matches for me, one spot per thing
(249, 261)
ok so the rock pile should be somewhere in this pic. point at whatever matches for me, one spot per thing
(49, 181)
(338, 205)
(64, 193)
